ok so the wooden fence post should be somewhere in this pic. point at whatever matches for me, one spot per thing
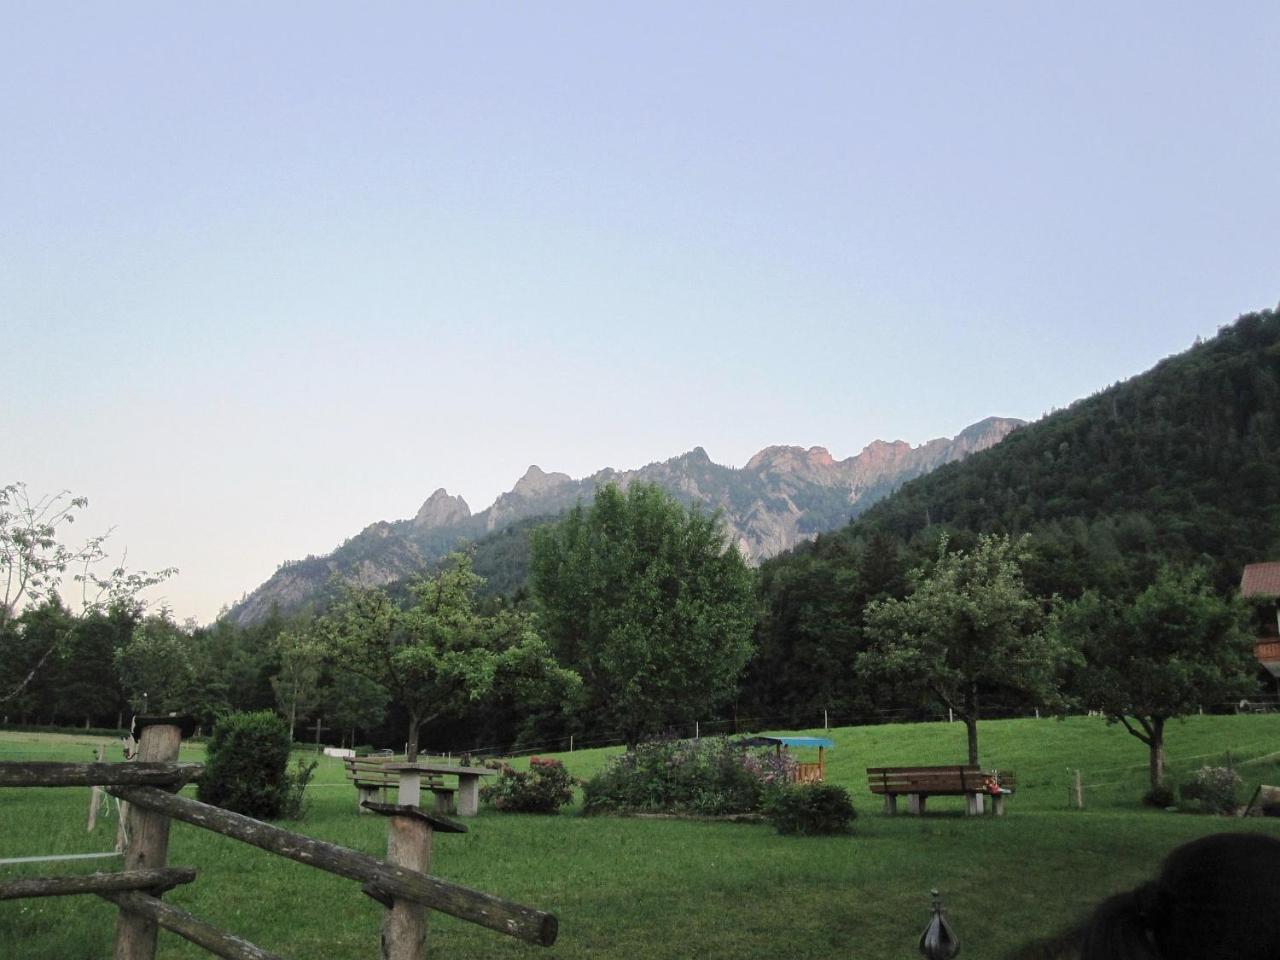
(148, 836)
(409, 834)
(404, 927)
(1079, 791)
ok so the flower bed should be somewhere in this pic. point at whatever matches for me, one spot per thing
(544, 788)
(711, 777)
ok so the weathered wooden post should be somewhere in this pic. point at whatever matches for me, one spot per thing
(148, 834)
(1079, 791)
(409, 835)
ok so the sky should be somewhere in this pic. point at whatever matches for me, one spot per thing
(272, 272)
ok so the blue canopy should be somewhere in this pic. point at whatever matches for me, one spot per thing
(803, 741)
(789, 742)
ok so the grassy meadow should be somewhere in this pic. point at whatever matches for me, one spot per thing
(679, 889)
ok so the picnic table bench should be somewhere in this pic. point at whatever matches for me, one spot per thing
(373, 781)
(917, 784)
(468, 788)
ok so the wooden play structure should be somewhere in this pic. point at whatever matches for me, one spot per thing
(805, 771)
(402, 882)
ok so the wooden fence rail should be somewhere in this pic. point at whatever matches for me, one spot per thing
(149, 786)
(188, 927)
(164, 878)
(504, 916)
(54, 774)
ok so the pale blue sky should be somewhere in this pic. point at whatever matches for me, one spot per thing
(268, 275)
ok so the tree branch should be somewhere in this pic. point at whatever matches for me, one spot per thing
(1125, 720)
(31, 674)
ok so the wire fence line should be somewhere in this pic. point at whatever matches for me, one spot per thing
(821, 720)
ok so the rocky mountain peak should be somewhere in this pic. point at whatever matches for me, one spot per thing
(984, 433)
(775, 457)
(814, 464)
(537, 482)
(441, 510)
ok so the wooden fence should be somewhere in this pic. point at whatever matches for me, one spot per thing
(402, 883)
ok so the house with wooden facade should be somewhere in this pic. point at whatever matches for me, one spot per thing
(1260, 584)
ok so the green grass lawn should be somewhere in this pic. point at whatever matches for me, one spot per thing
(660, 888)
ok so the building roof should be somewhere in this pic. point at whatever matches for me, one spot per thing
(1260, 580)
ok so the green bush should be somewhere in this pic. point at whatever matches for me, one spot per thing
(708, 777)
(295, 788)
(247, 765)
(811, 808)
(544, 788)
(1212, 790)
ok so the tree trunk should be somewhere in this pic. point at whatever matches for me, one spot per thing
(412, 751)
(971, 722)
(1156, 744)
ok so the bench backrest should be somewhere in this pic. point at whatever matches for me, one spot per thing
(933, 779)
(958, 777)
(369, 770)
(372, 770)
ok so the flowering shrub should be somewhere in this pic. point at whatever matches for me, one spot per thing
(1212, 790)
(811, 808)
(544, 788)
(709, 777)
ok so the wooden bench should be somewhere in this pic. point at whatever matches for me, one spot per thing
(374, 782)
(917, 784)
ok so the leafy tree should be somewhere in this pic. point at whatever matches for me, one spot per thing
(811, 618)
(296, 686)
(641, 596)
(84, 675)
(34, 560)
(155, 667)
(1175, 648)
(40, 629)
(439, 655)
(968, 625)
(350, 702)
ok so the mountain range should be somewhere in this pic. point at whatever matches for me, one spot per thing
(783, 496)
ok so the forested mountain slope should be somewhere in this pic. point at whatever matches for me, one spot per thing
(1180, 464)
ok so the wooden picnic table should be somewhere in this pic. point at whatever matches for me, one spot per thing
(468, 801)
